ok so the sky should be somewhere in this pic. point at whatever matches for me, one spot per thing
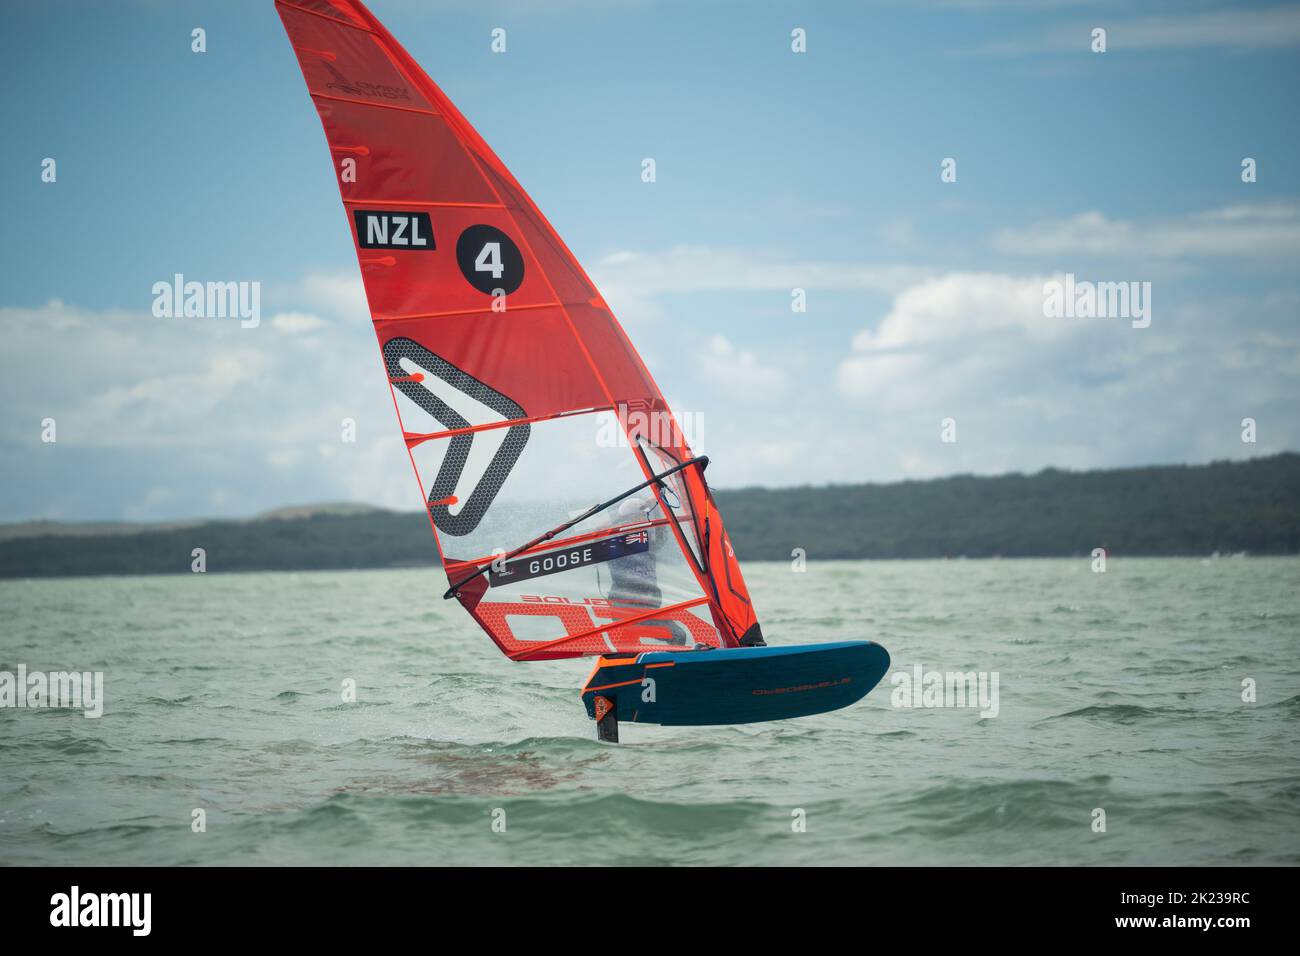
(775, 171)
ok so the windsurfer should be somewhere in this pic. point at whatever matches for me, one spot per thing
(635, 577)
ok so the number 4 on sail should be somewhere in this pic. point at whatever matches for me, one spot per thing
(504, 364)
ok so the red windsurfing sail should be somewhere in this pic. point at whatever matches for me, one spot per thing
(520, 398)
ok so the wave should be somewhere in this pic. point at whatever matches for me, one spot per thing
(1120, 713)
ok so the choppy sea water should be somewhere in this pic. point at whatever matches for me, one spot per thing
(1119, 691)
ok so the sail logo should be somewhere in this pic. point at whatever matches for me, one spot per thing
(381, 91)
(554, 562)
(393, 230)
(478, 457)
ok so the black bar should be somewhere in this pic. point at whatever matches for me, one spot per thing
(923, 909)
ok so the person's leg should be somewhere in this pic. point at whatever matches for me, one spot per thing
(645, 600)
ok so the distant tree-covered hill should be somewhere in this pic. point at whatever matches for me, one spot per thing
(1251, 506)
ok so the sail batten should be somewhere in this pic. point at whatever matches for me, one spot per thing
(368, 104)
(510, 377)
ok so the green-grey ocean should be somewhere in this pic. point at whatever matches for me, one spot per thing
(1120, 701)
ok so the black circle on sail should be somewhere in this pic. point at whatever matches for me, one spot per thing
(489, 260)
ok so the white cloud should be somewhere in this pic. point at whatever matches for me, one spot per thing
(958, 327)
(214, 414)
(1236, 29)
(295, 322)
(738, 371)
(1240, 29)
(376, 470)
(1028, 391)
(121, 378)
(284, 459)
(170, 418)
(155, 498)
(900, 233)
(960, 305)
(705, 269)
(338, 295)
(1266, 231)
(632, 281)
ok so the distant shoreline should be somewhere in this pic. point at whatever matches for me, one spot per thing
(433, 566)
(1187, 511)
